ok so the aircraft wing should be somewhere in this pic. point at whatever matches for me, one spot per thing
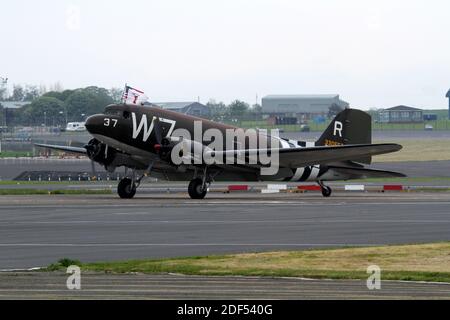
(302, 157)
(63, 148)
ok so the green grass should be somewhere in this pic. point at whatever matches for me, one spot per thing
(417, 150)
(15, 192)
(421, 262)
(15, 154)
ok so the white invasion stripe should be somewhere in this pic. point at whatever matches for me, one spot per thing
(314, 173)
(310, 144)
(270, 190)
(298, 174)
(284, 143)
(354, 187)
(294, 142)
(277, 186)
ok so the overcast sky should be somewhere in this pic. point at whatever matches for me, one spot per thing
(373, 53)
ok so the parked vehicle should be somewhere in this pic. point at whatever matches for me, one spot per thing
(75, 126)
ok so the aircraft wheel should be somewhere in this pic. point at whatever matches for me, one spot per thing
(196, 190)
(126, 189)
(326, 191)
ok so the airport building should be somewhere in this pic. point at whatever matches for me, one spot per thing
(192, 108)
(401, 114)
(299, 108)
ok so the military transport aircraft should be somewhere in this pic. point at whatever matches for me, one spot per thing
(143, 139)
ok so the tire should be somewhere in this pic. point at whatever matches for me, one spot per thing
(125, 189)
(326, 191)
(195, 189)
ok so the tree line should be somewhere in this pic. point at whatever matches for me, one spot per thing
(57, 107)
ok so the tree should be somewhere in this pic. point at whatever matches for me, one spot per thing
(116, 94)
(87, 101)
(18, 93)
(31, 93)
(218, 109)
(334, 109)
(2, 93)
(43, 109)
(238, 108)
(256, 108)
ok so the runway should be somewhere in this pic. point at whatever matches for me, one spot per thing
(12, 168)
(38, 230)
(42, 285)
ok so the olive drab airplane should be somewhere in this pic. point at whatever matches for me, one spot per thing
(147, 141)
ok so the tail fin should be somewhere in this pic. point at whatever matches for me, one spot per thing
(350, 126)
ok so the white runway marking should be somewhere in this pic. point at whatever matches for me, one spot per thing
(280, 221)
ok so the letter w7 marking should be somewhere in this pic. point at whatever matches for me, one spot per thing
(143, 124)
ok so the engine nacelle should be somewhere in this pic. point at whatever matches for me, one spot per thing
(100, 152)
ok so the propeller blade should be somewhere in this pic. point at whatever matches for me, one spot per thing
(158, 130)
(94, 173)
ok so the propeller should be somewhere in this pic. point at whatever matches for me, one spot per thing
(158, 130)
(93, 150)
(163, 146)
(158, 134)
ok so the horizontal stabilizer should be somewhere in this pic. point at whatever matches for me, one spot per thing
(363, 173)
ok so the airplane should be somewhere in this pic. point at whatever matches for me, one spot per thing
(143, 140)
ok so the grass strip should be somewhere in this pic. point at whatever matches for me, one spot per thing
(14, 192)
(419, 262)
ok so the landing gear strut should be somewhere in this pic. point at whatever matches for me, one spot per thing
(326, 190)
(198, 187)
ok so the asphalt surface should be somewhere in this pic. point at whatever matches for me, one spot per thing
(40, 285)
(38, 230)
(11, 168)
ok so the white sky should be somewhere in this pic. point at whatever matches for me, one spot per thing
(373, 53)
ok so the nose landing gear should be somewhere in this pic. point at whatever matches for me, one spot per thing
(326, 190)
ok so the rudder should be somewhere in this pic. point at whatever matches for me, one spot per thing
(350, 126)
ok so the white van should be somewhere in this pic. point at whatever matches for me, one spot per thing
(75, 126)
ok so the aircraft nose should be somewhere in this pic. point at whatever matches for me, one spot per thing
(94, 123)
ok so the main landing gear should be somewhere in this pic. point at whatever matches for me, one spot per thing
(326, 190)
(126, 188)
(198, 187)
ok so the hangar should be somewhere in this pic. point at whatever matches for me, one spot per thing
(191, 107)
(300, 107)
(401, 114)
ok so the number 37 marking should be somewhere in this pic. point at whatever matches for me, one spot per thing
(107, 122)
